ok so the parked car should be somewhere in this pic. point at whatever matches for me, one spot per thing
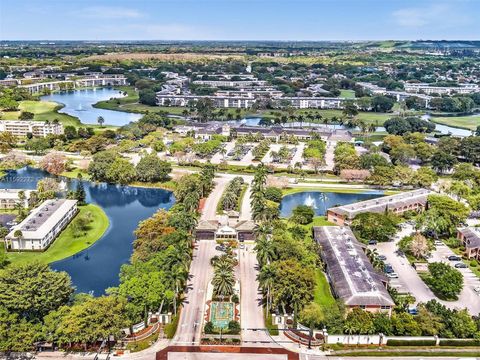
(413, 311)
(388, 269)
(372, 242)
(382, 257)
(438, 242)
(454, 258)
(242, 246)
(477, 289)
(461, 265)
(392, 275)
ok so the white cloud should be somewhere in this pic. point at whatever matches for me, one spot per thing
(437, 15)
(109, 12)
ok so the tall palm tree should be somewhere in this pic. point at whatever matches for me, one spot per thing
(266, 280)
(265, 249)
(178, 276)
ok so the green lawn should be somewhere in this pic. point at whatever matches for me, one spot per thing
(48, 110)
(73, 174)
(66, 244)
(464, 122)
(322, 294)
(349, 94)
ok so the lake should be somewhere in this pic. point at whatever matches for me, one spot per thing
(320, 201)
(79, 103)
(96, 268)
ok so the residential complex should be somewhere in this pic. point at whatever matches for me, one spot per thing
(84, 81)
(42, 226)
(350, 273)
(10, 198)
(36, 128)
(415, 200)
(441, 90)
(206, 131)
(470, 239)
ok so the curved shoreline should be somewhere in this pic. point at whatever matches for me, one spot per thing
(434, 120)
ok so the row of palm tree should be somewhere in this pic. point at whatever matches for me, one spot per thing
(232, 194)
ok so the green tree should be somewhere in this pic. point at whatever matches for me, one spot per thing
(375, 226)
(445, 281)
(32, 290)
(151, 169)
(121, 171)
(303, 214)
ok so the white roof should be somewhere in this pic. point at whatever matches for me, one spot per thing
(43, 218)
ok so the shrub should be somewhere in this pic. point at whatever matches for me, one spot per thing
(474, 263)
(209, 329)
(458, 342)
(303, 214)
(395, 342)
(273, 194)
(171, 328)
(234, 327)
(235, 298)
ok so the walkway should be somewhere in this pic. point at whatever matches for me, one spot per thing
(209, 211)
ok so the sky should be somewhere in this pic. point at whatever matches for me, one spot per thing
(239, 19)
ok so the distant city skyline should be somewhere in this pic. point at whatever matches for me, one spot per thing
(307, 20)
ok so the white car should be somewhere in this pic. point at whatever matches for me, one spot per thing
(392, 275)
(477, 289)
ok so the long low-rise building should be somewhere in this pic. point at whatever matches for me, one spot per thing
(351, 275)
(36, 128)
(441, 90)
(415, 200)
(231, 83)
(42, 226)
(470, 239)
(87, 81)
(244, 230)
(246, 101)
(10, 198)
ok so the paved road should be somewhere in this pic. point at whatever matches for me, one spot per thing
(251, 312)
(191, 316)
(246, 206)
(210, 208)
(298, 156)
(329, 156)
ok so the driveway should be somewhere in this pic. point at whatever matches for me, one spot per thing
(209, 211)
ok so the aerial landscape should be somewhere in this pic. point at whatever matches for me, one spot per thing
(213, 179)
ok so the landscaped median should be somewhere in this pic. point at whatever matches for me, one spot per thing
(69, 242)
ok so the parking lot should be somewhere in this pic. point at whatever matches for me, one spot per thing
(409, 281)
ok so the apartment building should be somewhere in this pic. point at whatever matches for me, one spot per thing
(10, 198)
(231, 83)
(415, 200)
(42, 226)
(36, 128)
(470, 239)
(441, 90)
(351, 275)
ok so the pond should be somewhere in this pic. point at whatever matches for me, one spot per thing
(320, 201)
(96, 268)
(79, 103)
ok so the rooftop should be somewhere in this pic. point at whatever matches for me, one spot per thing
(379, 204)
(353, 277)
(471, 235)
(43, 218)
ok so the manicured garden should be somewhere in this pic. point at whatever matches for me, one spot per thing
(70, 241)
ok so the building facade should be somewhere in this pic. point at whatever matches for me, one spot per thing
(469, 237)
(415, 200)
(36, 128)
(11, 198)
(42, 226)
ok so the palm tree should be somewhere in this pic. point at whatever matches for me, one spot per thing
(265, 249)
(178, 276)
(229, 200)
(223, 282)
(266, 280)
(100, 121)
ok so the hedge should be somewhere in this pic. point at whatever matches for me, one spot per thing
(395, 342)
(458, 342)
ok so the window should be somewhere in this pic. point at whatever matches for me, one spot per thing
(362, 307)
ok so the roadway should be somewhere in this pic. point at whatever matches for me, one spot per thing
(251, 310)
(191, 315)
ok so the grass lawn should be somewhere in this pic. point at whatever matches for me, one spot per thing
(48, 110)
(142, 344)
(66, 244)
(464, 122)
(349, 94)
(404, 353)
(322, 294)
(73, 174)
